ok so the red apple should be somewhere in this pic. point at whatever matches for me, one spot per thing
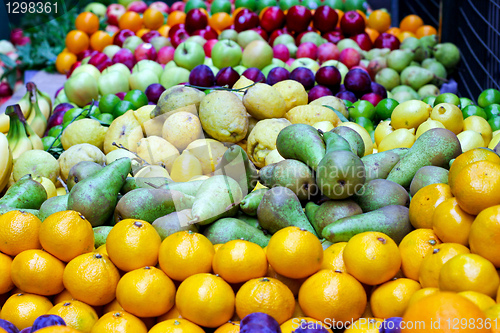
(245, 20)
(126, 57)
(178, 6)
(112, 29)
(114, 12)
(325, 19)
(350, 57)
(121, 36)
(281, 52)
(328, 51)
(195, 20)
(298, 18)
(307, 50)
(160, 6)
(375, 65)
(261, 32)
(333, 36)
(352, 23)
(72, 68)
(103, 65)
(207, 33)
(298, 38)
(208, 46)
(137, 6)
(145, 51)
(289, 62)
(275, 34)
(150, 35)
(165, 54)
(364, 41)
(97, 59)
(386, 40)
(87, 53)
(273, 18)
(178, 37)
(176, 27)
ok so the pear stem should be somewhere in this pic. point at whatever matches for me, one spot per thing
(63, 183)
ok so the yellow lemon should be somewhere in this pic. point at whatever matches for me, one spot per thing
(186, 167)
(367, 139)
(470, 140)
(383, 129)
(480, 125)
(400, 138)
(410, 114)
(494, 140)
(427, 125)
(449, 115)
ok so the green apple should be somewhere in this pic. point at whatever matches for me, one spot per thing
(261, 4)
(240, 69)
(218, 6)
(194, 4)
(142, 79)
(118, 67)
(111, 50)
(174, 76)
(248, 36)
(148, 64)
(348, 43)
(189, 55)
(284, 39)
(170, 64)
(208, 61)
(228, 34)
(81, 89)
(286, 4)
(292, 48)
(132, 43)
(197, 39)
(112, 82)
(214, 69)
(268, 68)
(305, 62)
(125, 2)
(226, 53)
(159, 42)
(257, 54)
(278, 62)
(97, 8)
(250, 4)
(61, 98)
(312, 37)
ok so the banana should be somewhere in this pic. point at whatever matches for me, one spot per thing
(4, 123)
(5, 161)
(36, 141)
(25, 105)
(13, 134)
(36, 120)
(19, 141)
(24, 144)
(46, 101)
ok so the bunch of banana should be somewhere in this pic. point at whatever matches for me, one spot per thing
(5, 161)
(21, 137)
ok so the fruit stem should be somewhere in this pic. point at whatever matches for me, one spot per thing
(63, 184)
(223, 88)
(441, 79)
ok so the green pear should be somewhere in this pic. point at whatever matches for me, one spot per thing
(174, 222)
(26, 193)
(447, 54)
(428, 175)
(416, 77)
(379, 193)
(399, 59)
(227, 229)
(53, 205)
(301, 142)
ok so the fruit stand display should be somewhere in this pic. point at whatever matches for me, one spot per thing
(249, 166)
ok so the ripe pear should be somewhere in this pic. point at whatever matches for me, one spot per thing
(416, 77)
(388, 78)
(447, 54)
(399, 59)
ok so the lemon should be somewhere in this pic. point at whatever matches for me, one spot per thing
(49, 186)
(427, 125)
(61, 191)
(152, 171)
(156, 150)
(143, 114)
(495, 133)
(182, 128)
(480, 125)
(84, 131)
(494, 141)
(367, 139)
(325, 125)
(449, 115)
(262, 140)
(293, 92)
(383, 129)
(208, 151)
(470, 140)
(186, 167)
(263, 101)
(400, 138)
(333, 102)
(242, 83)
(311, 114)
(410, 114)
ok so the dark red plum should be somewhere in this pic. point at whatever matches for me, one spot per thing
(318, 91)
(317, 329)
(46, 321)
(358, 81)
(277, 74)
(386, 40)
(378, 89)
(202, 76)
(121, 95)
(226, 76)
(325, 19)
(330, 77)
(342, 88)
(303, 75)
(254, 74)
(154, 91)
(347, 95)
(372, 98)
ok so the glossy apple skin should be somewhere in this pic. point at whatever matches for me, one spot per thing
(246, 20)
(209, 45)
(298, 38)
(372, 98)
(261, 32)
(176, 27)
(165, 54)
(73, 67)
(386, 40)
(97, 59)
(207, 33)
(126, 57)
(160, 6)
(333, 36)
(121, 36)
(105, 64)
(352, 23)
(364, 41)
(281, 52)
(195, 20)
(114, 12)
(325, 19)
(145, 51)
(137, 6)
(298, 18)
(178, 37)
(307, 50)
(150, 35)
(350, 57)
(328, 51)
(272, 19)
(178, 5)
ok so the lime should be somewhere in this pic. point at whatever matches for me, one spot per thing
(286, 4)
(261, 4)
(48, 141)
(347, 103)
(108, 102)
(191, 4)
(137, 98)
(93, 111)
(355, 4)
(464, 101)
(473, 110)
(429, 100)
(335, 4)
(366, 123)
(384, 108)
(250, 4)
(105, 118)
(311, 4)
(447, 98)
(362, 109)
(494, 123)
(55, 131)
(492, 110)
(219, 6)
(487, 97)
(72, 113)
(121, 108)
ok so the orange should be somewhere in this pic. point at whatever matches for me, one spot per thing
(163, 30)
(176, 326)
(66, 235)
(130, 20)
(292, 284)
(333, 257)
(266, 295)
(481, 300)
(469, 157)
(362, 14)
(340, 14)
(185, 253)
(22, 309)
(434, 261)
(63, 296)
(58, 329)
(372, 33)
(330, 295)
(77, 41)
(220, 21)
(6, 283)
(405, 34)
(173, 313)
(19, 232)
(484, 235)
(413, 248)
(153, 19)
(133, 244)
(239, 261)
(205, 299)
(298, 311)
(450, 223)
(231, 327)
(365, 325)
(493, 313)
(372, 257)
(421, 293)
(38, 272)
(113, 306)
(425, 30)
(91, 278)
(76, 314)
(87, 22)
(443, 308)
(411, 23)
(391, 299)
(176, 17)
(142, 32)
(477, 186)
(100, 39)
(291, 325)
(64, 61)
(146, 292)
(469, 272)
(425, 201)
(379, 20)
(393, 31)
(295, 253)
(119, 322)
(101, 249)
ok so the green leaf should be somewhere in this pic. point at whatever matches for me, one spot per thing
(7, 61)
